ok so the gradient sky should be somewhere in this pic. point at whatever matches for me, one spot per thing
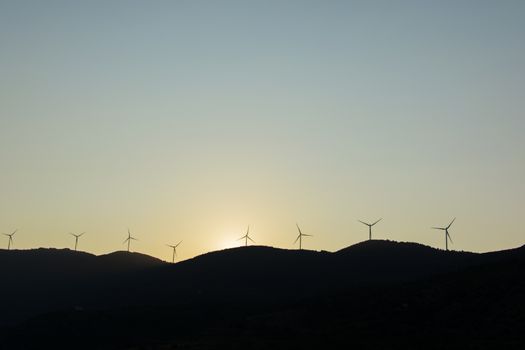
(192, 119)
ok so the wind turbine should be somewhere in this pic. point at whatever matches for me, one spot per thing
(246, 237)
(370, 227)
(129, 239)
(447, 236)
(174, 250)
(10, 235)
(76, 238)
(300, 237)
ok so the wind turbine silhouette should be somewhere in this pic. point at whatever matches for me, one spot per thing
(246, 237)
(10, 235)
(76, 238)
(370, 227)
(447, 236)
(129, 239)
(174, 250)
(300, 237)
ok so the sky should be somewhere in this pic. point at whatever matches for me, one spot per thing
(190, 120)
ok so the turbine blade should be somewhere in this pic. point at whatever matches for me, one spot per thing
(451, 223)
(81, 234)
(364, 222)
(296, 224)
(304, 234)
(376, 222)
(251, 239)
(127, 239)
(176, 245)
(451, 241)
(248, 230)
(243, 237)
(296, 239)
(15, 231)
(438, 228)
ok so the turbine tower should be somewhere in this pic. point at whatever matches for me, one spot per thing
(174, 250)
(129, 239)
(246, 237)
(10, 235)
(447, 236)
(76, 238)
(300, 237)
(370, 227)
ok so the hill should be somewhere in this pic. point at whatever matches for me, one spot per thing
(43, 280)
(260, 294)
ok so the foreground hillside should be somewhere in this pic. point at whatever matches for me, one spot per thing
(43, 280)
(369, 295)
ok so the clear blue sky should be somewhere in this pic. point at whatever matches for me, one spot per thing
(192, 119)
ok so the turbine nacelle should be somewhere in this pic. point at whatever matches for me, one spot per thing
(370, 225)
(78, 235)
(174, 246)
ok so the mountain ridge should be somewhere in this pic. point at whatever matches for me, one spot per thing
(65, 278)
(350, 248)
(259, 293)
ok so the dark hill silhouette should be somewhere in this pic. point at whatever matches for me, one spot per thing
(27, 267)
(251, 289)
(41, 280)
(51, 262)
(128, 260)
